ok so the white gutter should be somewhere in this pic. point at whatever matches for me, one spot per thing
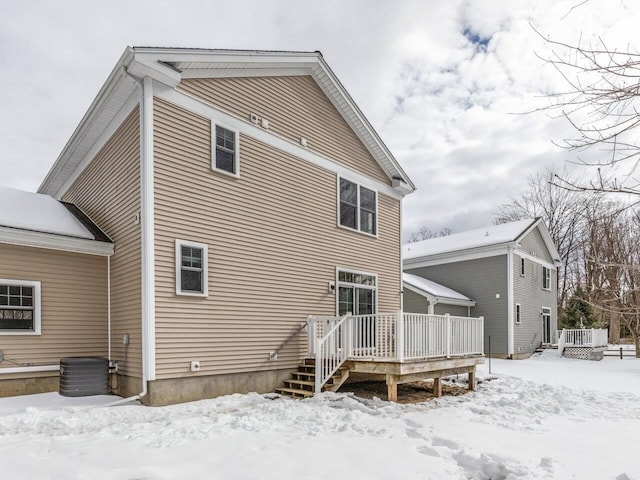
(510, 319)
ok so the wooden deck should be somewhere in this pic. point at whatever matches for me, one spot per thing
(395, 372)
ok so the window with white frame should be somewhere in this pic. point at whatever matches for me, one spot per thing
(546, 278)
(522, 270)
(518, 313)
(191, 268)
(225, 150)
(358, 207)
(19, 307)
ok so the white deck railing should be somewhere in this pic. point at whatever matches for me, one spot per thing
(391, 337)
(583, 337)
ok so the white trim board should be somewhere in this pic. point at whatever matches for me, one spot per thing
(528, 256)
(34, 368)
(269, 138)
(28, 238)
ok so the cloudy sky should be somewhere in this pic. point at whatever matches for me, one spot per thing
(443, 82)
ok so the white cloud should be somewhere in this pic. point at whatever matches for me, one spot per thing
(443, 102)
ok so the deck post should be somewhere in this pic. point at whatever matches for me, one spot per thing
(437, 387)
(400, 336)
(448, 339)
(472, 379)
(392, 389)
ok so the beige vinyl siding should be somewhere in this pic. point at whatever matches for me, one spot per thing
(73, 305)
(295, 107)
(108, 191)
(273, 246)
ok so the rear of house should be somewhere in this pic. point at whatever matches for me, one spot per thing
(243, 191)
(509, 270)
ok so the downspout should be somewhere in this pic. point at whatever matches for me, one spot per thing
(510, 326)
(146, 200)
(109, 307)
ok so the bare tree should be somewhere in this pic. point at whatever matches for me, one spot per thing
(602, 104)
(562, 211)
(425, 233)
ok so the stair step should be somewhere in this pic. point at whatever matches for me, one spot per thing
(294, 392)
(300, 382)
(304, 374)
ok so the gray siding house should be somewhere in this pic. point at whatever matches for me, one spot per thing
(509, 270)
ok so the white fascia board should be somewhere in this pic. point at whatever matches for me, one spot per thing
(30, 369)
(139, 69)
(114, 82)
(123, 113)
(181, 55)
(436, 299)
(269, 138)
(460, 256)
(419, 291)
(341, 99)
(522, 253)
(51, 241)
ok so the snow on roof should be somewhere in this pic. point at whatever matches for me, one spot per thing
(40, 213)
(432, 287)
(480, 237)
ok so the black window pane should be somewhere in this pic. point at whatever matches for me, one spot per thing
(348, 192)
(224, 161)
(27, 291)
(27, 301)
(191, 257)
(367, 199)
(225, 138)
(14, 301)
(347, 215)
(4, 300)
(4, 289)
(14, 290)
(191, 281)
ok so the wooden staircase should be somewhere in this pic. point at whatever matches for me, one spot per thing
(302, 382)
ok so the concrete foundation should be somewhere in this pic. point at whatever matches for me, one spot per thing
(179, 390)
(29, 386)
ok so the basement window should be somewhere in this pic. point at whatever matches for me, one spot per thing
(191, 268)
(19, 307)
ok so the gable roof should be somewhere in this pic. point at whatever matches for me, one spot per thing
(434, 291)
(39, 220)
(477, 240)
(170, 65)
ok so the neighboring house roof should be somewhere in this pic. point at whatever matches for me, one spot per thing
(478, 240)
(170, 65)
(38, 220)
(434, 291)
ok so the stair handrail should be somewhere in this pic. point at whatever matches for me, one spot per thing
(561, 341)
(297, 331)
(338, 343)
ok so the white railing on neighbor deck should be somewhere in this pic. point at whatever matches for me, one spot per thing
(584, 337)
(391, 337)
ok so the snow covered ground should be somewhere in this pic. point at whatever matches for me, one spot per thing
(542, 418)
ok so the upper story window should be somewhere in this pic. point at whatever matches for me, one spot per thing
(225, 149)
(518, 314)
(522, 270)
(546, 278)
(19, 307)
(191, 268)
(358, 207)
